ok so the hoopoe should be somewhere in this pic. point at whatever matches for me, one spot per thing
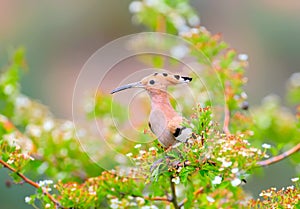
(164, 121)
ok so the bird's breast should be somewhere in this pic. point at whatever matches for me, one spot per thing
(159, 125)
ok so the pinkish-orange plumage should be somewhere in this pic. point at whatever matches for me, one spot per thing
(164, 121)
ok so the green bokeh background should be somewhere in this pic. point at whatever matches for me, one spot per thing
(61, 35)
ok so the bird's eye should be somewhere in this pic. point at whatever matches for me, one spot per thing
(151, 82)
(165, 74)
(177, 77)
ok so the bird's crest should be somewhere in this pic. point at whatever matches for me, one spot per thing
(163, 80)
(158, 81)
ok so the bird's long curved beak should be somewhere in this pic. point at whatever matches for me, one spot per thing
(128, 86)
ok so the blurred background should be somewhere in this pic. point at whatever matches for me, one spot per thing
(60, 36)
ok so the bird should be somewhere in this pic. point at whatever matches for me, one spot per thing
(164, 121)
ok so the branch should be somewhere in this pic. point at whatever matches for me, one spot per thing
(161, 24)
(157, 199)
(34, 184)
(226, 112)
(164, 199)
(279, 157)
(173, 198)
(198, 191)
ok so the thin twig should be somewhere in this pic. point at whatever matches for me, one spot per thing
(198, 191)
(226, 111)
(279, 157)
(174, 197)
(165, 199)
(226, 120)
(34, 184)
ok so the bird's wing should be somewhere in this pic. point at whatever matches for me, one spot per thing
(179, 132)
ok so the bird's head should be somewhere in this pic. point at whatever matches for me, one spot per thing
(156, 81)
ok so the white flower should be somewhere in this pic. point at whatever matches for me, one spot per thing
(295, 80)
(210, 199)
(93, 193)
(27, 199)
(137, 146)
(295, 179)
(10, 161)
(266, 146)
(67, 125)
(114, 206)
(245, 140)
(45, 182)
(120, 158)
(48, 124)
(179, 51)
(140, 201)
(268, 194)
(152, 3)
(8, 89)
(34, 130)
(27, 156)
(194, 20)
(245, 96)
(129, 154)
(221, 159)
(226, 164)
(152, 149)
(217, 180)
(291, 187)
(142, 152)
(48, 182)
(176, 145)
(22, 101)
(149, 207)
(132, 204)
(235, 182)
(243, 57)
(41, 183)
(176, 180)
(195, 30)
(130, 198)
(47, 205)
(135, 6)
(252, 149)
(177, 20)
(234, 170)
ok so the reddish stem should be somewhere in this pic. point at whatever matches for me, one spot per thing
(279, 157)
(226, 111)
(34, 184)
